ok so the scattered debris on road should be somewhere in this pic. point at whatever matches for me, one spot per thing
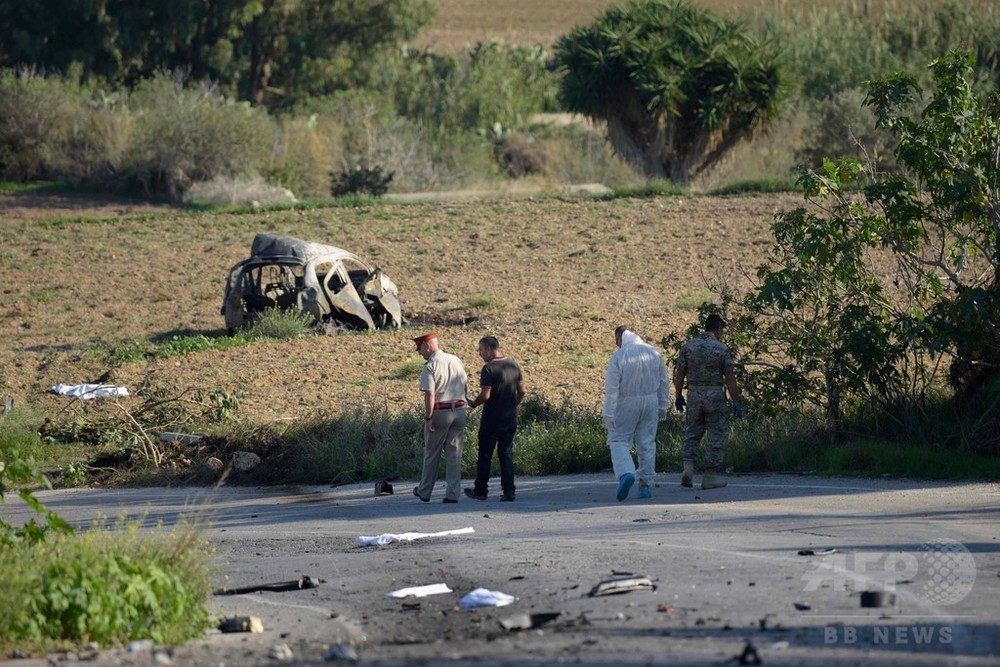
(528, 621)
(278, 587)
(419, 591)
(342, 651)
(280, 652)
(241, 624)
(387, 538)
(749, 656)
(617, 586)
(482, 597)
(877, 599)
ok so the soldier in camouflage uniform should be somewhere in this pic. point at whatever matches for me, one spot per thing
(706, 363)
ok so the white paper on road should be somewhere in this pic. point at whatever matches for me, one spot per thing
(482, 597)
(85, 392)
(419, 591)
(386, 538)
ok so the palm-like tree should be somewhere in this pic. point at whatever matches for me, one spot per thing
(677, 85)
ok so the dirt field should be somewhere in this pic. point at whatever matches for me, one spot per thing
(460, 23)
(559, 275)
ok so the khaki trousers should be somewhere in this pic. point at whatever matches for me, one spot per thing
(448, 437)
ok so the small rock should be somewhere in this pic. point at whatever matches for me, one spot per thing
(163, 657)
(342, 651)
(280, 652)
(244, 461)
(241, 624)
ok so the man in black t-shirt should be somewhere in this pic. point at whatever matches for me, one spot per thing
(502, 389)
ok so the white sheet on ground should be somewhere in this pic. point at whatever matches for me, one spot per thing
(419, 591)
(386, 538)
(85, 392)
(482, 597)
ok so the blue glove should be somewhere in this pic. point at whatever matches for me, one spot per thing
(679, 403)
(737, 411)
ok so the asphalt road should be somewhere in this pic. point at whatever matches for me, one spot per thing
(727, 576)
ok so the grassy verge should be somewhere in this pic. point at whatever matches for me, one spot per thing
(365, 443)
(106, 585)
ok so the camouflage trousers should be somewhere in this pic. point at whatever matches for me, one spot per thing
(707, 411)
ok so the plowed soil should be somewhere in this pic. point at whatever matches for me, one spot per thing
(551, 277)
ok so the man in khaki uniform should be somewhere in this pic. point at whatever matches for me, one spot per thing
(443, 382)
(706, 363)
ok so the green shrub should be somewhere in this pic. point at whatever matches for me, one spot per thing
(36, 116)
(409, 370)
(280, 325)
(772, 184)
(579, 153)
(360, 180)
(18, 470)
(108, 586)
(519, 155)
(841, 126)
(503, 83)
(116, 353)
(189, 133)
(481, 301)
(364, 442)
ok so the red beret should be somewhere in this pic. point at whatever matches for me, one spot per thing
(420, 340)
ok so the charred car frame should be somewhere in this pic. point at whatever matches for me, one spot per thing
(330, 284)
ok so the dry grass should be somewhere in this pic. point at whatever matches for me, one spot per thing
(459, 23)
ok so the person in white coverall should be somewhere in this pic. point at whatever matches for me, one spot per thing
(636, 397)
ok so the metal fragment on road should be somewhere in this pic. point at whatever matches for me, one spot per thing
(241, 624)
(278, 587)
(616, 586)
(528, 621)
(871, 599)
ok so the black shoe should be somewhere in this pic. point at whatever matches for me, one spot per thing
(507, 497)
(450, 500)
(471, 493)
(416, 492)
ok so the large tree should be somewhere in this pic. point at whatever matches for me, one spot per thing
(267, 51)
(677, 85)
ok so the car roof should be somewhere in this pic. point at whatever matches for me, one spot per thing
(275, 248)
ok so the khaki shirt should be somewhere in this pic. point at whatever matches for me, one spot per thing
(705, 361)
(444, 374)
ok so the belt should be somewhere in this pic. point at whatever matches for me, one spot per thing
(448, 406)
(704, 386)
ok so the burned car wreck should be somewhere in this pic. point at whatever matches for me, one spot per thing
(334, 286)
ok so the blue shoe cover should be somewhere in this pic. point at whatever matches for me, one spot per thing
(625, 483)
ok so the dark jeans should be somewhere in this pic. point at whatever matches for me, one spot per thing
(501, 440)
